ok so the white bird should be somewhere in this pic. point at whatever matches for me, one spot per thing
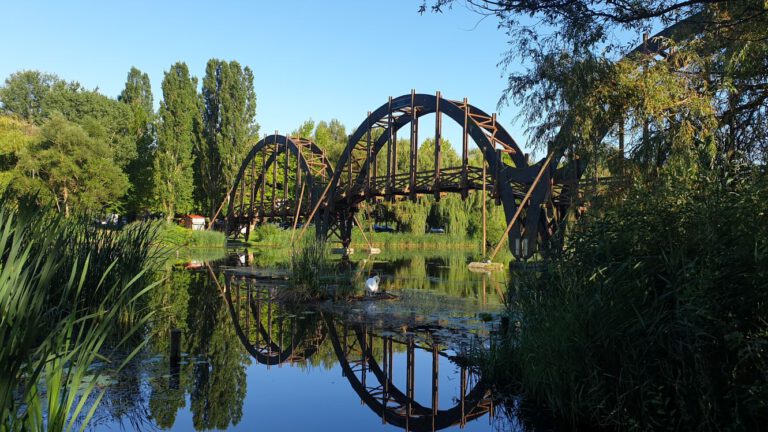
(372, 285)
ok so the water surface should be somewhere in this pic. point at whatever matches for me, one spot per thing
(250, 363)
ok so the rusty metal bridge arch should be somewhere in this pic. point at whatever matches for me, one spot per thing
(540, 193)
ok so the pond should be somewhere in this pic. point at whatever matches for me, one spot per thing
(248, 362)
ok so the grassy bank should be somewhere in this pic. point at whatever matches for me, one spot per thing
(654, 318)
(175, 236)
(70, 294)
(270, 235)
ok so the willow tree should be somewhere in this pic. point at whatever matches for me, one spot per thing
(709, 51)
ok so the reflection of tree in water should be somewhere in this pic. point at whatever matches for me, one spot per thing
(446, 273)
(214, 374)
(172, 298)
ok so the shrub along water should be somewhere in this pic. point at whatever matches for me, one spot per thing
(70, 293)
(654, 316)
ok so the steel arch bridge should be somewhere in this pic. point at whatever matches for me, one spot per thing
(308, 188)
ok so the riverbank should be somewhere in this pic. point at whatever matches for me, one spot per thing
(176, 237)
(272, 236)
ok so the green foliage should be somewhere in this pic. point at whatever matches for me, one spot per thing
(173, 163)
(103, 117)
(269, 233)
(314, 276)
(654, 316)
(138, 95)
(39, 98)
(448, 156)
(452, 213)
(228, 128)
(25, 94)
(216, 382)
(410, 216)
(16, 137)
(69, 295)
(71, 166)
(177, 236)
(332, 138)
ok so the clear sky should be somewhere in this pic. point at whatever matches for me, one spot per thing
(318, 59)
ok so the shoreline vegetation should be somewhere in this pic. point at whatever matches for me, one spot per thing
(175, 236)
(652, 319)
(269, 235)
(71, 295)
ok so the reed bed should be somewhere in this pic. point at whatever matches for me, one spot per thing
(70, 294)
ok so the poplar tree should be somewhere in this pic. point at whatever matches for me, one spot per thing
(173, 163)
(229, 110)
(137, 94)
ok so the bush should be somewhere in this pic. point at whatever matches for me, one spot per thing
(654, 317)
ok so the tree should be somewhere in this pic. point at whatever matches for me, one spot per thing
(98, 114)
(25, 93)
(137, 94)
(331, 137)
(34, 96)
(229, 110)
(305, 130)
(448, 156)
(72, 167)
(16, 136)
(173, 162)
(713, 49)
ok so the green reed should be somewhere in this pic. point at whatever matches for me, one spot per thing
(70, 294)
(314, 276)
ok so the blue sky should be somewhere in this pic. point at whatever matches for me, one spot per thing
(311, 59)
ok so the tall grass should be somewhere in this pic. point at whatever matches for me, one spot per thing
(314, 276)
(269, 234)
(655, 316)
(175, 236)
(69, 295)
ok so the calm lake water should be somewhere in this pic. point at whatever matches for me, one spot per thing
(249, 363)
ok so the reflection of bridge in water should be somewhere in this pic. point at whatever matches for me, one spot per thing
(365, 356)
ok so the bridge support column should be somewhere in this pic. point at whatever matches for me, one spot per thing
(346, 224)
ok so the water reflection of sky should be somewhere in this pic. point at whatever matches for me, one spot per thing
(292, 398)
(312, 394)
